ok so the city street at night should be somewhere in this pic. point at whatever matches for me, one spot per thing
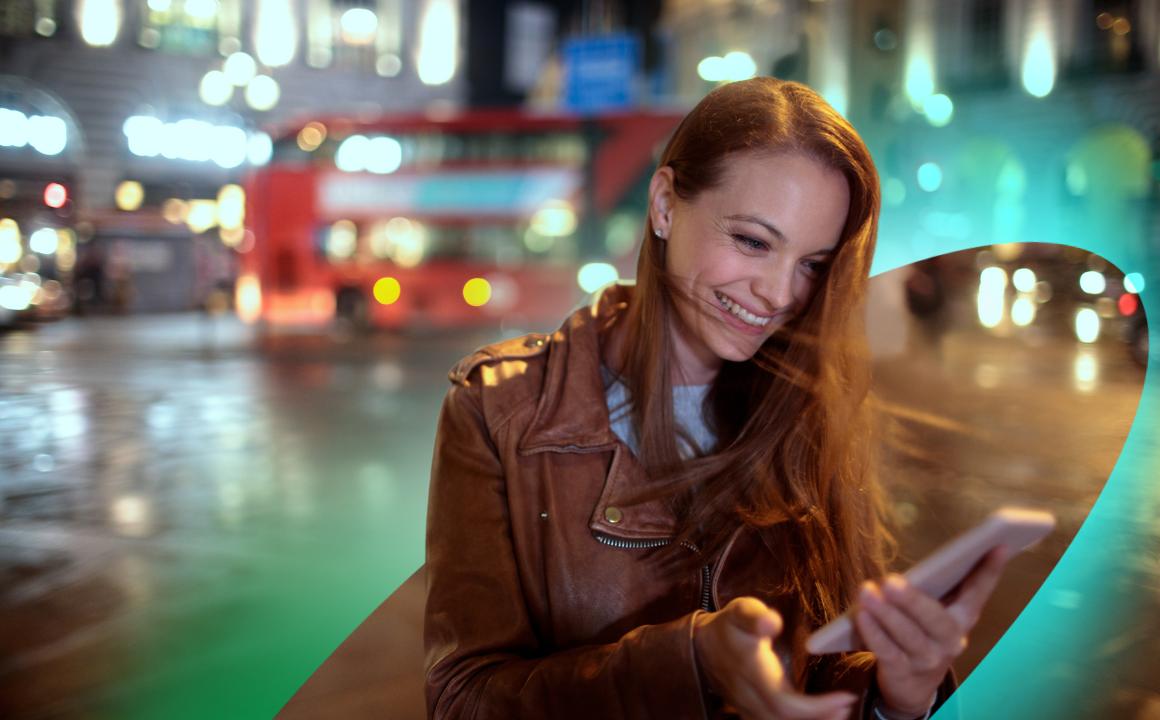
(177, 490)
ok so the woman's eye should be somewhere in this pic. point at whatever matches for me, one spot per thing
(749, 242)
(815, 268)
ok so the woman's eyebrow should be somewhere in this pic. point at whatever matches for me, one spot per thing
(763, 223)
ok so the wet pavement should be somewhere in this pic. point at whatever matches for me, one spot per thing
(193, 516)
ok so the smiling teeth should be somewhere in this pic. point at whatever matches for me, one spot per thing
(741, 313)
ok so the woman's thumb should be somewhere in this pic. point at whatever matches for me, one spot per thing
(754, 617)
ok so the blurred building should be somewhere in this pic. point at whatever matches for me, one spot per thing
(991, 121)
(130, 104)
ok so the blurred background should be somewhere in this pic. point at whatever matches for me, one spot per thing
(242, 242)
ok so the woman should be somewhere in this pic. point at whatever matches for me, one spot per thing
(646, 513)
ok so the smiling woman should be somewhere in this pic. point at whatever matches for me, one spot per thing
(645, 513)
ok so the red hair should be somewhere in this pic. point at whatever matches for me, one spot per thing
(794, 424)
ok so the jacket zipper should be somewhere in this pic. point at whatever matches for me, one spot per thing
(706, 572)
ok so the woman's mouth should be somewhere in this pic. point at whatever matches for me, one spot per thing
(751, 323)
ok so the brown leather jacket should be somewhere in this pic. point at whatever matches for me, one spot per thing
(540, 599)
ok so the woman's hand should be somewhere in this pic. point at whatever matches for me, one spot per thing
(734, 647)
(915, 638)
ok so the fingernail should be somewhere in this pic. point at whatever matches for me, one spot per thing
(867, 596)
(895, 583)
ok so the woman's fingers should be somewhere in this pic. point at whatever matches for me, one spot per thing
(877, 640)
(906, 634)
(978, 586)
(928, 613)
(752, 616)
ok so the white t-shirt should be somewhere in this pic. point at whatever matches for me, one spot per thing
(688, 410)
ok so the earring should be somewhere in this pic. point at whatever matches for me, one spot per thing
(657, 233)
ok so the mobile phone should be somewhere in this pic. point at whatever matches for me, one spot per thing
(945, 568)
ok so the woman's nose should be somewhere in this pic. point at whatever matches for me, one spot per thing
(775, 288)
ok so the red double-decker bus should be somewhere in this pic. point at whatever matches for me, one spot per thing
(475, 218)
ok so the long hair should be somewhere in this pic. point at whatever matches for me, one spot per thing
(794, 424)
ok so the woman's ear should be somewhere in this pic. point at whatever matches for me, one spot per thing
(661, 201)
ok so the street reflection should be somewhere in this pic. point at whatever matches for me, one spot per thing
(161, 482)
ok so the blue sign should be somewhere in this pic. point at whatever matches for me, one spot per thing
(600, 71)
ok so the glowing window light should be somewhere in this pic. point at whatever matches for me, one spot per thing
(1092, 282)
(738, 66)
(1023, 311)
(1024, 279)
(262, 93)
(341, 240)
(55, 195)
(919, 82)
(202, 9)
(229, 146)
(930, 177)
(402, 241)
(438, 42)
(387, 290)
(358, 26)
(1039, 66)
(1087, 325)
(1134, 282)
(477, 292)
(15, 297)
(215, 88)
(352, 152)
(13, 128)
(384, 155)
(186, 139)
(259, 149)
(938, 109)
(231, 206)
(201, 215)
(47, 134)
(240, 68)
(248, 299)
(311, 136)
(43, 241)
(99, 21)
(10, 250)
(556, 219)
(593, 276)
(275, 33)
(129, 195)
(712, 69)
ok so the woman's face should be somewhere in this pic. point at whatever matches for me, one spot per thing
(749, 252)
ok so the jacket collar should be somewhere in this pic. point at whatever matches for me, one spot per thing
(572, 413)
(572, 417)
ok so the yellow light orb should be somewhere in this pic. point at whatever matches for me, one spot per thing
(477, 291)
(129, 195)
(387, 290)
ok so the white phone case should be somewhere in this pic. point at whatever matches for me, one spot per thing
(946, 567)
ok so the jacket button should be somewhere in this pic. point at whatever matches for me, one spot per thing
(613, 514)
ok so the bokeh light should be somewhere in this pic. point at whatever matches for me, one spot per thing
(55, 195)
(438, 42)
(477, 292)
(215, 88)
(43, 241)
(1023, 279)
(594, 276)
(1092, 282)
(262, 93)
(930, 176)
(387, 290)
(129, 195)
(1134, 282)
(1087, 325)
(938, 110)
